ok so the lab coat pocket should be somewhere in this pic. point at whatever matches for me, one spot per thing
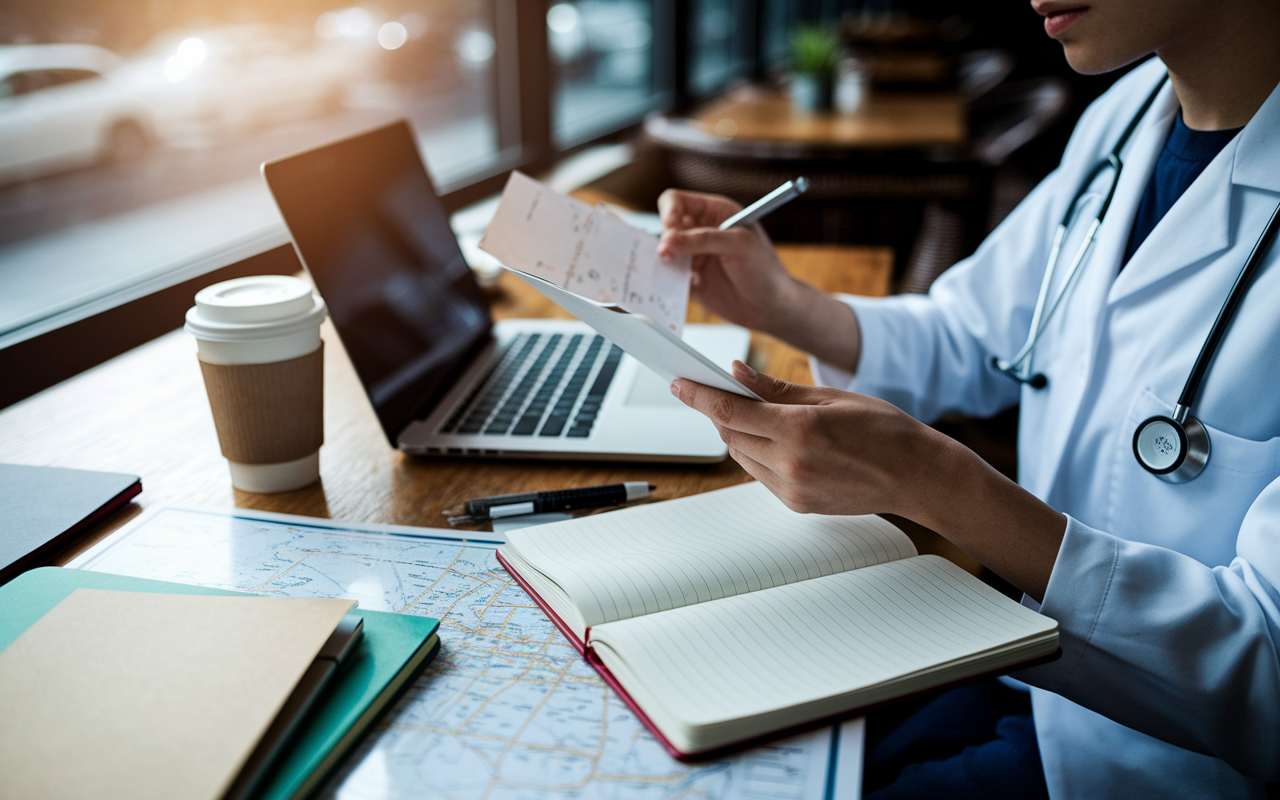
(1202, 516)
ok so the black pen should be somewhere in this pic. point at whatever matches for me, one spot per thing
(509, 505)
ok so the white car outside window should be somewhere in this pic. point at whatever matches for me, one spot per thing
(203, 85)
(63, 106)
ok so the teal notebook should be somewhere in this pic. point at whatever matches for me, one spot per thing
(394, 650)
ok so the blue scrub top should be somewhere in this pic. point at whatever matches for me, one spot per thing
(1185, 155)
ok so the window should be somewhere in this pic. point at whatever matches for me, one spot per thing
(777, 19)
(721, 34)
(35, 80)
(431, 62)
(181, 107)
(603, 55)
(130, 136)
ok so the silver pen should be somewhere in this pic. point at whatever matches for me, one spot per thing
(768, 204)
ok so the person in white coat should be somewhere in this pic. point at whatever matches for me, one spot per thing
(1167, 594)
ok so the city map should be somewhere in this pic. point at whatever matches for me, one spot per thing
(506, 710)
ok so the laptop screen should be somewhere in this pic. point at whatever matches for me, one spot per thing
(370, 229)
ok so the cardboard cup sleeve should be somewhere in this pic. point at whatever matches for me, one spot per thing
(268, 413)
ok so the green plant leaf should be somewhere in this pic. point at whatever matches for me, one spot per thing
(814, 50)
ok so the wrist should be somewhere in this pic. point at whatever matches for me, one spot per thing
(932, 469)
(786, 312)
(963, 498)
(945, 476)
(817, 323)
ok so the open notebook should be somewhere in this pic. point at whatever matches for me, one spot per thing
(726, 617)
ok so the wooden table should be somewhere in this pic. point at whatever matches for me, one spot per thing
(146, 413)
(885, 121)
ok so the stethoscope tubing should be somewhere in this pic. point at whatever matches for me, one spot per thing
(1019, 367)
(1225, 316)
(1174, 464)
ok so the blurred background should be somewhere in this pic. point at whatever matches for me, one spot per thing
(131, 131)
(107, 106)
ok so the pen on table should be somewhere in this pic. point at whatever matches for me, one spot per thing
(768, 204)
(509, 505)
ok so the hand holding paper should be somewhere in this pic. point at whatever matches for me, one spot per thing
(588, 251)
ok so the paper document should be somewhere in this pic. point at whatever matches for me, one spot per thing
(588, 251)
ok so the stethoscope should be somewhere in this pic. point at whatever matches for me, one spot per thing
(1173, 448)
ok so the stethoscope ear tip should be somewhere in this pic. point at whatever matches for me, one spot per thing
(1038, 381)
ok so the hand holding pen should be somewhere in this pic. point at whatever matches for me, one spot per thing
(737, 274)
(736, 271)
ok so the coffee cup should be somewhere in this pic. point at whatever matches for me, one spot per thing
(263, 363)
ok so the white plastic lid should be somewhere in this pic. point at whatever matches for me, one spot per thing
(256, 307)
(258, 298)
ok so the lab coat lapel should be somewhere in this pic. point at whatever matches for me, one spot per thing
(1255, 162)
(1140, 162)
(1198, 226)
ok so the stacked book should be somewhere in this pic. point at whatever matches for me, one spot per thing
(121, 687)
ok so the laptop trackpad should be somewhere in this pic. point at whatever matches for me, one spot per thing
(650, 390)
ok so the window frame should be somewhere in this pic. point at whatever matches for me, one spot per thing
(524, 97)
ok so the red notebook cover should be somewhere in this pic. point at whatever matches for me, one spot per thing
(607, 675)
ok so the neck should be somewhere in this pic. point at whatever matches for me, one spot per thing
(1223, 72)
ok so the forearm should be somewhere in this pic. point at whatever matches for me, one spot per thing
(817, 323)
(995, 520)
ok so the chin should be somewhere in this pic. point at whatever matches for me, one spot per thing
(1091, 61)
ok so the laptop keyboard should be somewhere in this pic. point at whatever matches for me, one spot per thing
(537, 388)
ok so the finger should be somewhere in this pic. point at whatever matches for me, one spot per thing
(728, 410)
(757, 447)
(671, 208)
(665, 248)
(756, 470)
(681, 209)
(737, 242)
(776, 390)
(669, 245)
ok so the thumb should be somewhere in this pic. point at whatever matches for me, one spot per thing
(774, 390)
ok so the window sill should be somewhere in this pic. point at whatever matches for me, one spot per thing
(60, 279)
(66, 277)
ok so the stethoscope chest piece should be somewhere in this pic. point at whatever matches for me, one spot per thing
(1176, 448)
(1173, 451)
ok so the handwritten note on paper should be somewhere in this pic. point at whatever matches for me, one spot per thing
(588, 251)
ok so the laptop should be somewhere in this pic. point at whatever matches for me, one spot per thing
(443, 377)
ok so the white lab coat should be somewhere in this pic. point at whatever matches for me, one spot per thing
(1167, 595)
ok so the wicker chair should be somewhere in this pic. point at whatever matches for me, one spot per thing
(931, 206)
(1002, 122)
(854, 197)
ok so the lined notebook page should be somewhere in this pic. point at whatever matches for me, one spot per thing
(796, 644)
(666, 555)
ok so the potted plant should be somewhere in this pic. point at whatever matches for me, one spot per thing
(814, 51)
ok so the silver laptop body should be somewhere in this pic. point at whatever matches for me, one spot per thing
(442, 377)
